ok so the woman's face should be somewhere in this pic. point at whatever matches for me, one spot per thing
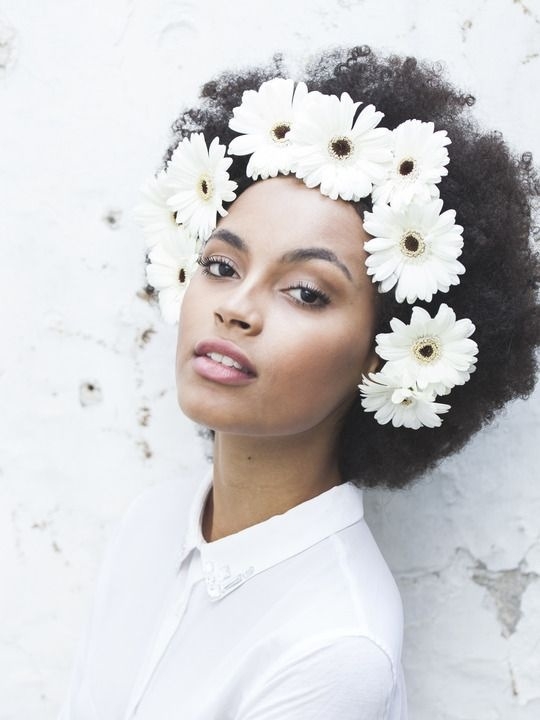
(284, 285)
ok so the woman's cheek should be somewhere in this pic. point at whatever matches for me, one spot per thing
(321, 365)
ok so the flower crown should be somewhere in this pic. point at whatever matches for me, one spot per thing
(415, 245)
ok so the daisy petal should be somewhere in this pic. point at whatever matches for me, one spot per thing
(394, 398)
(331, 150)
(199, 184)
(435, 351)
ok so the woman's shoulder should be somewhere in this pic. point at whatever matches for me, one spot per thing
(163, 499)
(340, 588)
(337, 626)
(154, 519)
(371, 589)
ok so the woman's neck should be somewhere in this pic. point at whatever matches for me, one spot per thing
(256, 478)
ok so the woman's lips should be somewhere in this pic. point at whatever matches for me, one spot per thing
(218, 360)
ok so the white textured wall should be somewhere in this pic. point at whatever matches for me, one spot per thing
(87, 401)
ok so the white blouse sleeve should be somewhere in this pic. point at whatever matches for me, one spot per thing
(350, 678)
(76, 704)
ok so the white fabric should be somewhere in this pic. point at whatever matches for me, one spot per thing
(292, 618)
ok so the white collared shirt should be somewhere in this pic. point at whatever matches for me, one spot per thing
(295, 618)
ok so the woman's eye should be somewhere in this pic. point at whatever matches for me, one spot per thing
(219, 267)
(306, 295)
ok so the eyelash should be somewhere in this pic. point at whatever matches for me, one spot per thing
(322, 297)
(205, 262)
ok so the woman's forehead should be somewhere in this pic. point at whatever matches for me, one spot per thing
(285, 212)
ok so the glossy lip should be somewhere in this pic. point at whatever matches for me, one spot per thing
(225, 347)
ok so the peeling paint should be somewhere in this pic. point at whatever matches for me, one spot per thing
(144, 416)
(526, 10)
(41, 525)
(147, 293)
(513, 684)
(506, 587)
(90, 393)
(465, 27)
(145, 336)
(112, 218)
(55, 323)
(146, 450)
(8, 37)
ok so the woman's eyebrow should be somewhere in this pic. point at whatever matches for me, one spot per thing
(315, 253)
(298, 255)
(231, 238)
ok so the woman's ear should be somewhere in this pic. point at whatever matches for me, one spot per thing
(373, 362)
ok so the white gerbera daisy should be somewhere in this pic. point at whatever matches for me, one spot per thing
(154, 216)
(392, 398)
(265, 116)
(436, 352)
(414, 248)
(199, 184)
(418, 164)
(343, 157)
(172, 264)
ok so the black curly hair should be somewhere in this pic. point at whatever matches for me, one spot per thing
(494, 194)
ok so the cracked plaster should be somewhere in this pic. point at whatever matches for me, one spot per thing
(8, 46)
(506, 587)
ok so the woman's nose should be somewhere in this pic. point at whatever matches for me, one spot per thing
(240, 313)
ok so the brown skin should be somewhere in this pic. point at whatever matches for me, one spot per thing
(275, 441)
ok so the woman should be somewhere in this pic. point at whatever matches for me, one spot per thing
(259, 591)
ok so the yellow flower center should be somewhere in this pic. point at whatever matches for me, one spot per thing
(412, 243)
(278, 132)
(427, 349)
(205, 187)
(340, 147)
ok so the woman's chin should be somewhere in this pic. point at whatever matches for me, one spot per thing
(209, 414)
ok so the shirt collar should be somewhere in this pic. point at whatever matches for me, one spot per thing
(228, 562)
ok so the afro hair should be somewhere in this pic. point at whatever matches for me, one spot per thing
(494, 194)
